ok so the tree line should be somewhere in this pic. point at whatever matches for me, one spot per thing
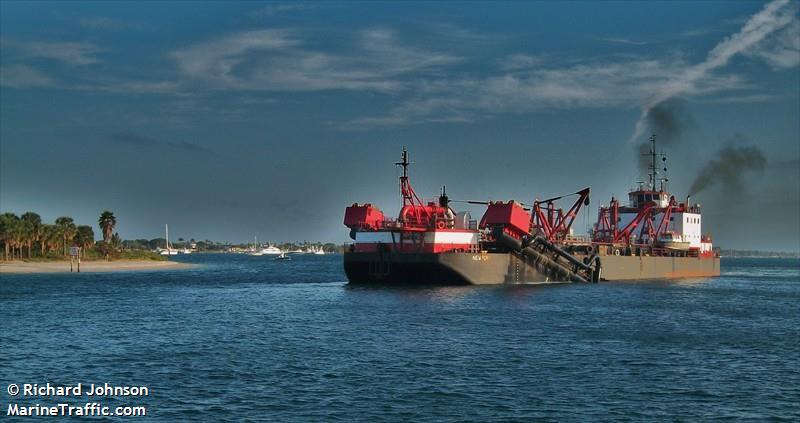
(26, 236)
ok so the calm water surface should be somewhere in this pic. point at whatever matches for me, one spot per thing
(249, 338)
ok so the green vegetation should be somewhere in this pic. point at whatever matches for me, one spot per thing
(26, 237)
(758, 254)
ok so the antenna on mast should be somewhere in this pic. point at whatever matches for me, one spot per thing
(404, 163)
(405, 189)
(652, 167)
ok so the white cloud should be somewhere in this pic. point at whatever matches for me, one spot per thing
(216, 60)
(529, 83)
(520, 62)
(108, 24)
(23, 76)
(276, 9)
(621, 40)
(591, 84)
(278, 60)
(70, 53)
(773, 17)
(782, 50)
(426, 83)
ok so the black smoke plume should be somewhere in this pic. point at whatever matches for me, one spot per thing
(670, 121)
(727, 167)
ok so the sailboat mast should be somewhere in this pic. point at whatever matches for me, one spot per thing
(166, 230)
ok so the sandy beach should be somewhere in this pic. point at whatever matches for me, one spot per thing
(90, 266)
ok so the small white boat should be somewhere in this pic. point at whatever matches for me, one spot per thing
(283, 256)
(315, 250)
(271, 250)
(672, 241)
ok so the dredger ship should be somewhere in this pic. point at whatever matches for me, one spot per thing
(653, 236)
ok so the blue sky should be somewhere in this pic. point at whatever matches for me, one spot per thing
(228, 120)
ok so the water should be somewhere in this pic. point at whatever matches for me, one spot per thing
(249, 338)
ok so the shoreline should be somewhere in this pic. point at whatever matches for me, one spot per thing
(99, 266)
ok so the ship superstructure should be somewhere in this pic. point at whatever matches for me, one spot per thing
(653, 220)
(653, 236)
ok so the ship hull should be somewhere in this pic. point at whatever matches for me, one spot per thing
(498, 268)
(615, 268)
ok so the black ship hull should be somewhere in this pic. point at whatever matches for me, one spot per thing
(504, 267)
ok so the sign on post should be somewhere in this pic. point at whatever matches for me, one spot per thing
(74, 252)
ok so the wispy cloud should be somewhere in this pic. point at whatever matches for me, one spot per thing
(773, 17)
(109, 24)
(516, 62)
(621, 40)
(276, 9)
(433, 79)
(279, 60)
(740, 98)
(70, 53)
(691, 33)
(529, 83)
(23, 76)
(548, 85)
(782, 50)
(130, 86)
(139, 140)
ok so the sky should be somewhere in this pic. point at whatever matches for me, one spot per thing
(229, 120)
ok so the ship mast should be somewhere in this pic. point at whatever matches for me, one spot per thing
(652, 167)
(405, 188)
(410, 197)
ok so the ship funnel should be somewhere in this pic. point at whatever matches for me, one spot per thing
(443, 199)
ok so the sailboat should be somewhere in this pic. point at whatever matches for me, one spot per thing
(255, 251)
(168, 251)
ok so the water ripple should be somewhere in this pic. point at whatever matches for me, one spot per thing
(249, 339)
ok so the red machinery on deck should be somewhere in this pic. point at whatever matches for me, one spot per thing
(419, 227)
(510, 216)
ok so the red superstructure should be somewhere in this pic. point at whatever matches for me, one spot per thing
(431, 227)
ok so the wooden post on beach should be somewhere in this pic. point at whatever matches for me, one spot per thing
(74, 252)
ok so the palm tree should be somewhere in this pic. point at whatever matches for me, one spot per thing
(85, 236)
(32, 229)
(51, 237)
(67, 226)
(107, 223)
(8, 229)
